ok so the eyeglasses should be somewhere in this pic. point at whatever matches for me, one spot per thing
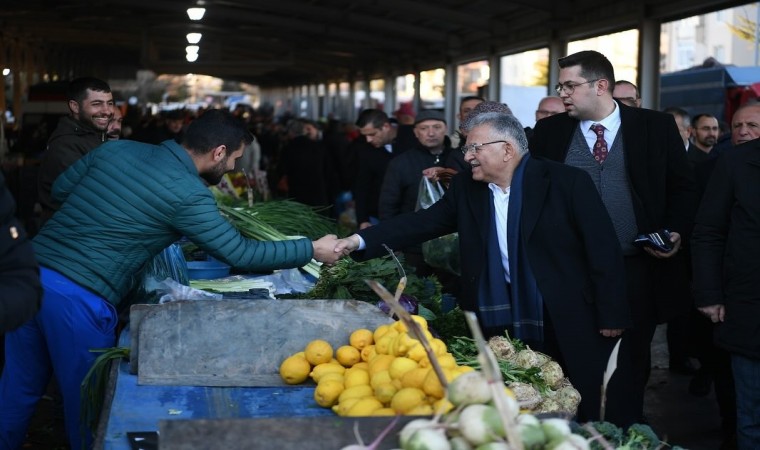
(569, 87)
(476, 147)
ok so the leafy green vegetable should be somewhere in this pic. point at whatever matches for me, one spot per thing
(252, 227)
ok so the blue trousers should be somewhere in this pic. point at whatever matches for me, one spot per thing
(747, 381)
(57, 341)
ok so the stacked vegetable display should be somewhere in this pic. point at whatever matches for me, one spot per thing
(538, 382)
(380, 372)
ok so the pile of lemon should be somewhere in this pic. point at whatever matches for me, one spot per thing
(380, 373)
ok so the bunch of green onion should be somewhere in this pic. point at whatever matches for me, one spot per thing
(251, 226)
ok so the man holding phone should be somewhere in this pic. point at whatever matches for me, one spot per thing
(635, 157)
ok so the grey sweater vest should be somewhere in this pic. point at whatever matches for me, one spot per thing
(611, 180)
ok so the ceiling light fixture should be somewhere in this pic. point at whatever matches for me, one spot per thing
(6, 72)
(192, 49)
(191, 57)
(196, 13)
(194, 38)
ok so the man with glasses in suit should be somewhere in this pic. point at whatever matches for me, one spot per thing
(636, 159)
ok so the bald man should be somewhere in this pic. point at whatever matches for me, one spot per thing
(627, 93)
(549, 106)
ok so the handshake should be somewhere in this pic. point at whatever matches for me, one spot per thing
(329, 249)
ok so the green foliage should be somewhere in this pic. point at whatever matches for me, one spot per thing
(345, 280)
(640, 436)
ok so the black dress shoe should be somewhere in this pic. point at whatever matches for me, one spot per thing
(700, 384)
(682, 366)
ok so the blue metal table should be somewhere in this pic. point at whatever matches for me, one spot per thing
(130, 407)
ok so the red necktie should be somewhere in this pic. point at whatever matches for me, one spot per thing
(600, 147)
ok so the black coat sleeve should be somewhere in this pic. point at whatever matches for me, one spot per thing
(20, 290)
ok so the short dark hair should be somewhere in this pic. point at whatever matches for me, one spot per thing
(695, 119)
(214, 128)
(375, 117)
(593, 65)
(470, 97)
(78, 87)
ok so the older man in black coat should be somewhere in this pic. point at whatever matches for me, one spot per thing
(539, 254)
(725, 249)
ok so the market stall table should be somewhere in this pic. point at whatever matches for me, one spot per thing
(220, 389)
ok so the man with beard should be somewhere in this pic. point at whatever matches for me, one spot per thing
(704, 133)
(120, 206)
(91, 109)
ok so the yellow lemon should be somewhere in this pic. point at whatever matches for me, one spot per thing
(347, 355)
(401, 326)
(404, 343)
(381, 377)
(406, 399)
(361, 365)
(295, 369)
(385, 392)
(415, 377)
(360, 391)
(447, 361)
(384, 412)
(318, 371)
(400, 366)
(421, 410)
(382, 347)
(380, 363)
(368, 353)
(334, 376)
(364, 407)
(361, 338)
(301, 354)
(318, 352)
(379, 332)
(417, 351)
(355, 377)
(327, 392)
(442, 406)
(343, 405)
(439, 347)
(432, 386)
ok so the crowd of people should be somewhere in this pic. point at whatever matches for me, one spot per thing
(550, 221)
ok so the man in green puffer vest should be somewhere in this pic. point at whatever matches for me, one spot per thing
(121, 204)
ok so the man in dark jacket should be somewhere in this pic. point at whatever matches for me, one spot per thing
(401, 183)
(91, 109)
(305, 163)
(539, 254)
(637, 161)
(372, 162)
(121, 205)
(725, 249)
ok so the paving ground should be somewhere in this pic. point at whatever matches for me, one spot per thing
(680, 418)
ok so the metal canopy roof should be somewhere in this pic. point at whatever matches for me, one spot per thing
(287, 42)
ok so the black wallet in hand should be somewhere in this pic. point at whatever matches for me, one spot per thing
(659, 240)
